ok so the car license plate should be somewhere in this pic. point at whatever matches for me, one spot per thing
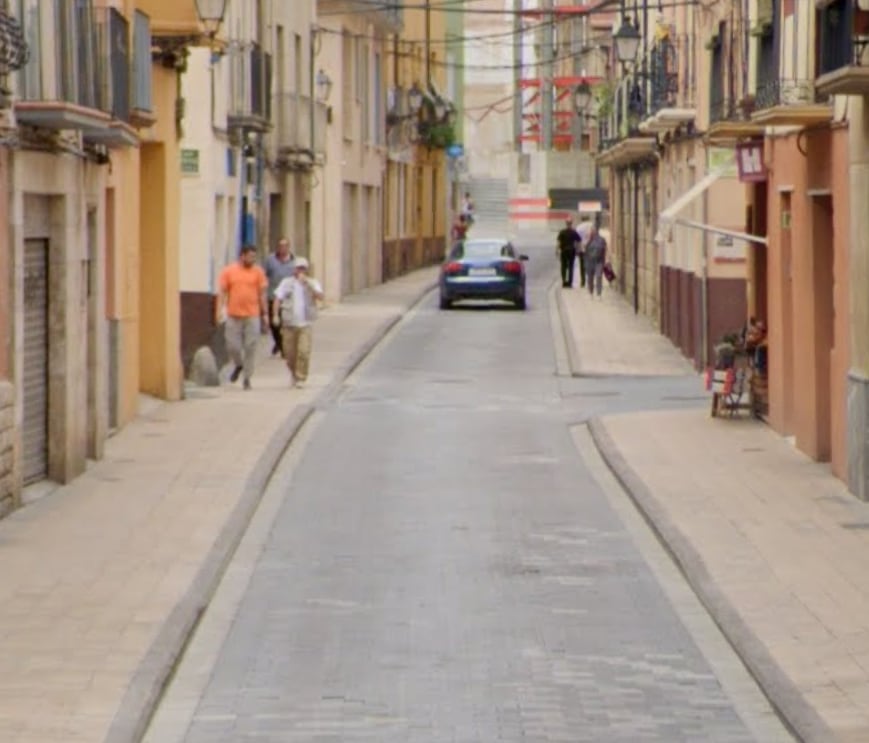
(481, 272)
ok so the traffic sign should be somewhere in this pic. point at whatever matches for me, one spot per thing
(455, 150)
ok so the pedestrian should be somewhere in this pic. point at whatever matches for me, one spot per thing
(595, 258)
(567, 239)
(295, 309)
(242, 303)
(459, 230)
(583, 229)
(468, 209)
(278, 266)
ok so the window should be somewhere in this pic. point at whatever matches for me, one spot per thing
(482, 249)
(379, 116)
(347, 80)
(364, 92)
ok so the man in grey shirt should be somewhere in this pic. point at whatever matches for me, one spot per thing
(278, 266)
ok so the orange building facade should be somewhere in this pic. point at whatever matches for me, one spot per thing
(799, 287)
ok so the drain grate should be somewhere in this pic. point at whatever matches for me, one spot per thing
(855, 526)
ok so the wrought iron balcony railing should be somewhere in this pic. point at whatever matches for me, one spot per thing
(774, 91)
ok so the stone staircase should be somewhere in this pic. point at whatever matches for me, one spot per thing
(491, 200)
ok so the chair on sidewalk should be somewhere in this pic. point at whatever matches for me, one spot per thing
(730, 382)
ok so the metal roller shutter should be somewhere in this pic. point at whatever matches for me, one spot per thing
(35, 372)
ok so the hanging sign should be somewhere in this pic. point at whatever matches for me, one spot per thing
(749, 161)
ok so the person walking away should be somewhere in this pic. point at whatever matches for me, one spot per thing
(567, 240)
(295, 308)
(459, 230)
(278, 266)
(242, 303)
(583, 229)
(595, 257)
(468, 208)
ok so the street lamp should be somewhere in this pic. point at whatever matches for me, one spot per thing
(211, 13)
(324, 86)
(414, 99)
(582, 96)
(627, 41)
(440, 109)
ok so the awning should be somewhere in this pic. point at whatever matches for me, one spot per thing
(668, 217)
(669, 214)
(721, 231)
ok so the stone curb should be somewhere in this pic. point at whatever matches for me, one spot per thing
(573, 359)
(146, 688)
(795, 711)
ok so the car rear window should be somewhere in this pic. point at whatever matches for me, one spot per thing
(482, 250)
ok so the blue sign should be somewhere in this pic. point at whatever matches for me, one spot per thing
(455, 150)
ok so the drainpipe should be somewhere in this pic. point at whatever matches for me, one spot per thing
(518, 39)
(313, 91)
(428, 44)
(636, 169)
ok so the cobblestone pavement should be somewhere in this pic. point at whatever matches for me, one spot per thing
(440, 565)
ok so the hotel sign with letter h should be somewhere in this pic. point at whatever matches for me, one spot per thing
(749, 162)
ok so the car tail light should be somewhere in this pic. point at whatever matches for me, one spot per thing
(513, 267)
(453, 267)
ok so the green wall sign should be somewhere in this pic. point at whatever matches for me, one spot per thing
(190, 162)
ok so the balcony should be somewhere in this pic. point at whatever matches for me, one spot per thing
(113, 79)
(385, 16)
(622, 141)
(730, 120)
(781, 102)
(843, 36)
(668, 109)
(250, 106)
(61, 85)
(141, 106)
(294, 141)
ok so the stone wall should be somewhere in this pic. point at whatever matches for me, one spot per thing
(7, 453)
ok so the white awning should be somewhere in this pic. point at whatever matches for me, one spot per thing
(668, 218)
(721, 231)
(686, 198)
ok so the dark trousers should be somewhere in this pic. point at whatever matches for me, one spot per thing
(567, 259)
(581, 257)
(277, 336)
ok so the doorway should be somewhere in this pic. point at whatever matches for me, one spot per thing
(34, 434)
(824, 325)
(89, 298)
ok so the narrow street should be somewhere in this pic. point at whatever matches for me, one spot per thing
(439, 558)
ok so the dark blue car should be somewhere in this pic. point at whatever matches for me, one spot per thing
(486, 268)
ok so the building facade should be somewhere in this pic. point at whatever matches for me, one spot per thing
(560, 46)
(347, 197)
(841, 68)
(800, 278)
(250, 150)
(420, 121)
(678, 235)
(90, 319)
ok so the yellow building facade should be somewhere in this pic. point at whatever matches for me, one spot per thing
(417, 206)
(90, 196)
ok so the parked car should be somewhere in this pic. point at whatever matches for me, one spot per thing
(484, 268)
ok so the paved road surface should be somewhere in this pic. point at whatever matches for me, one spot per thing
(439, 563)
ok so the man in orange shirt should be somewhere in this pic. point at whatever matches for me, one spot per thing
(243, 303)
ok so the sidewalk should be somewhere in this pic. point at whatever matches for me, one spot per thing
(604, 337)
(773, 544)
(103, 580)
